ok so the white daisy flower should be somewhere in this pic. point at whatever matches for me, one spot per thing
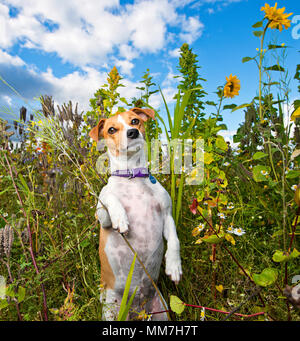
(230, 206)
(263, 172)
(230, 229)
(226, 164)
(239, 231)
(5, 215)
(221, 215)
(200, 227)
(294, 187)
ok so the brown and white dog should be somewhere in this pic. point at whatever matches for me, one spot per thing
(139, 207)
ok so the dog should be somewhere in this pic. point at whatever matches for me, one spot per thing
(135, 204)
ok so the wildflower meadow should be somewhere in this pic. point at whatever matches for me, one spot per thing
(238, 223)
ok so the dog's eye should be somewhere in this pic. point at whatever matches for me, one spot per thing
(112, 130)
(135, 121)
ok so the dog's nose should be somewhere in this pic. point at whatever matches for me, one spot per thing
(132, 133)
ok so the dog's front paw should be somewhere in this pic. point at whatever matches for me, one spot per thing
(120, 223)
(173, 266)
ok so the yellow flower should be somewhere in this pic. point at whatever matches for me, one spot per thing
(277, 19)
(295, 114)
(232, 87)
(198, 229)
(220, 287)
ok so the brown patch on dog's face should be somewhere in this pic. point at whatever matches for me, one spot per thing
(114, 130)
(134, 120)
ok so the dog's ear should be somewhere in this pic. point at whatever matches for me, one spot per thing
(145, 114)
(96, 132)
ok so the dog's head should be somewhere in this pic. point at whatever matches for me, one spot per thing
(124, 132)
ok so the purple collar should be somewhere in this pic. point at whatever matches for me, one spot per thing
(132, 173)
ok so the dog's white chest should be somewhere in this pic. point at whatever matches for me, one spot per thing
(145, 216)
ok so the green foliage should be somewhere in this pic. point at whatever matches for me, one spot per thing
(188, 68)
(238, 229)
(176, 304)
(125, 306)
(267, 277)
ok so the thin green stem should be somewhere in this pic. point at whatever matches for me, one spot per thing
(261, 57)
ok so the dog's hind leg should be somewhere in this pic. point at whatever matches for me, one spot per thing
(156, 306)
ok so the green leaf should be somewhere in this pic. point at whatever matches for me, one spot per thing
(7, 189)
(124, 306)
(295, 253)
(128, 305)
(280, 256)
(258, 24)
(26, 188)
(221, 143)
(21, 294)
(274, 68)
(189, 129)
(246, 59)
(211, 103)
(176, 304)
(241, 106)
(260, 173)
(122, 99)
(292, 174)
(258, 33)
(229, 106)
(259, 155)
(3, 303)
(213, 238)
(10, 291)
(168, 112)
(179, 198)
(273, 46)
(267, 277)
(84, 243)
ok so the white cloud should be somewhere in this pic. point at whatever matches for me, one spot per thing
(92, 36)
(171, 79)
(87, 34)
(78, 87)
(148, 23)
(228, 136)
(6, 58)
(125, 67)
(191, 29)
(175, 53)
(7, 99)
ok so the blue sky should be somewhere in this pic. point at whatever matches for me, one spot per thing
(65, 48)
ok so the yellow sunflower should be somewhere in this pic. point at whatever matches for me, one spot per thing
(277, 18)
(295, 114)
(232, 87)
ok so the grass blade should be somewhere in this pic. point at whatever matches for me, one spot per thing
(124, 306)
(168, 112)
